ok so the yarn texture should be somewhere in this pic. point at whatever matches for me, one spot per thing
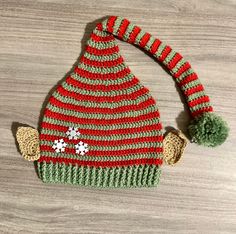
(101, 127)
(28, 140)
(208, 129)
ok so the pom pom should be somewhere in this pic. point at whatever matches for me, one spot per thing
(208, 129)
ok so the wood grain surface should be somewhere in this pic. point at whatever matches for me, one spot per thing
(39, 43)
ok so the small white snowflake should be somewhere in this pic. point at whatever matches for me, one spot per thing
(72, 133)
(59, 145)
(81, 148)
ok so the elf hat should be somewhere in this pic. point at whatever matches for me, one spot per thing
(101, 126)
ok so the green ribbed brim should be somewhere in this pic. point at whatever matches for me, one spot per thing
(102, 177)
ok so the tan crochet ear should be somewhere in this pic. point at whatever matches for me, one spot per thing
(28, 140)
(174, 144)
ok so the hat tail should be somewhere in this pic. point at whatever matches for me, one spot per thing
(206, 128)
(179, 68)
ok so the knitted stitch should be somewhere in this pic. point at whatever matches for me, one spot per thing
(116, 117)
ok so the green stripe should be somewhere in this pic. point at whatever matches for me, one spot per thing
(134, 176)
(108, 158)
(169, 57)
(197, 95)
(100, 93)
(104, 24)
(138, 145)
(126, 136)
(101, 44)
(190, 85)
(184, 74)
(117, 25)
(113, 177)
(128, 32)
(145, 175)
(102, 58)
(200, 106)
(101, 81)
(149, 43)
(160, 50)
(139, 37)
(102, 70)
(109, 127)
(104, 116)
(178, 65)
(87, 103)
(101, 33)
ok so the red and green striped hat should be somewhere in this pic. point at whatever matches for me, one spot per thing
(101, 126)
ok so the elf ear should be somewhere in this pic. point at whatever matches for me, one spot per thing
(28, 140)
(174, 144)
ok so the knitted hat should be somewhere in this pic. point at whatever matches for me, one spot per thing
(101, 126)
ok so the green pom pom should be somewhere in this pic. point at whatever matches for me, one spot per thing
(208, 129)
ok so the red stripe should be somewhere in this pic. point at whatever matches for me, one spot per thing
(201, 111)
(96, 51)
(110, 23)
(193, 90)
(188, 79)
(199, 100)
(113, 153)
(102, 110)
(101, 142)
(165, 53)
(109, 63)
(145, 39)
(123, 27)
(92, 75)
(125, 131)
(106, 88)
(174, 61)
(97, 38)
(62, 129)
(117, 98)
(155, 46)
(74, 119)
(143, 161)
(99, 26)
(54, 127)
(134, 34)
(182, 69)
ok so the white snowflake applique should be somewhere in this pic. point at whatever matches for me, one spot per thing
(73, 133)
(59, 145)
(81, 148)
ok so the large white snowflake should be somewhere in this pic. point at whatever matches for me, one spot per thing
(81, 148)
(59, 145)
(73, 133)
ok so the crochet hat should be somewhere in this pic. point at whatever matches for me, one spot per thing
(101, 126)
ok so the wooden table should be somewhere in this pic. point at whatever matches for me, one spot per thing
(39, 43)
